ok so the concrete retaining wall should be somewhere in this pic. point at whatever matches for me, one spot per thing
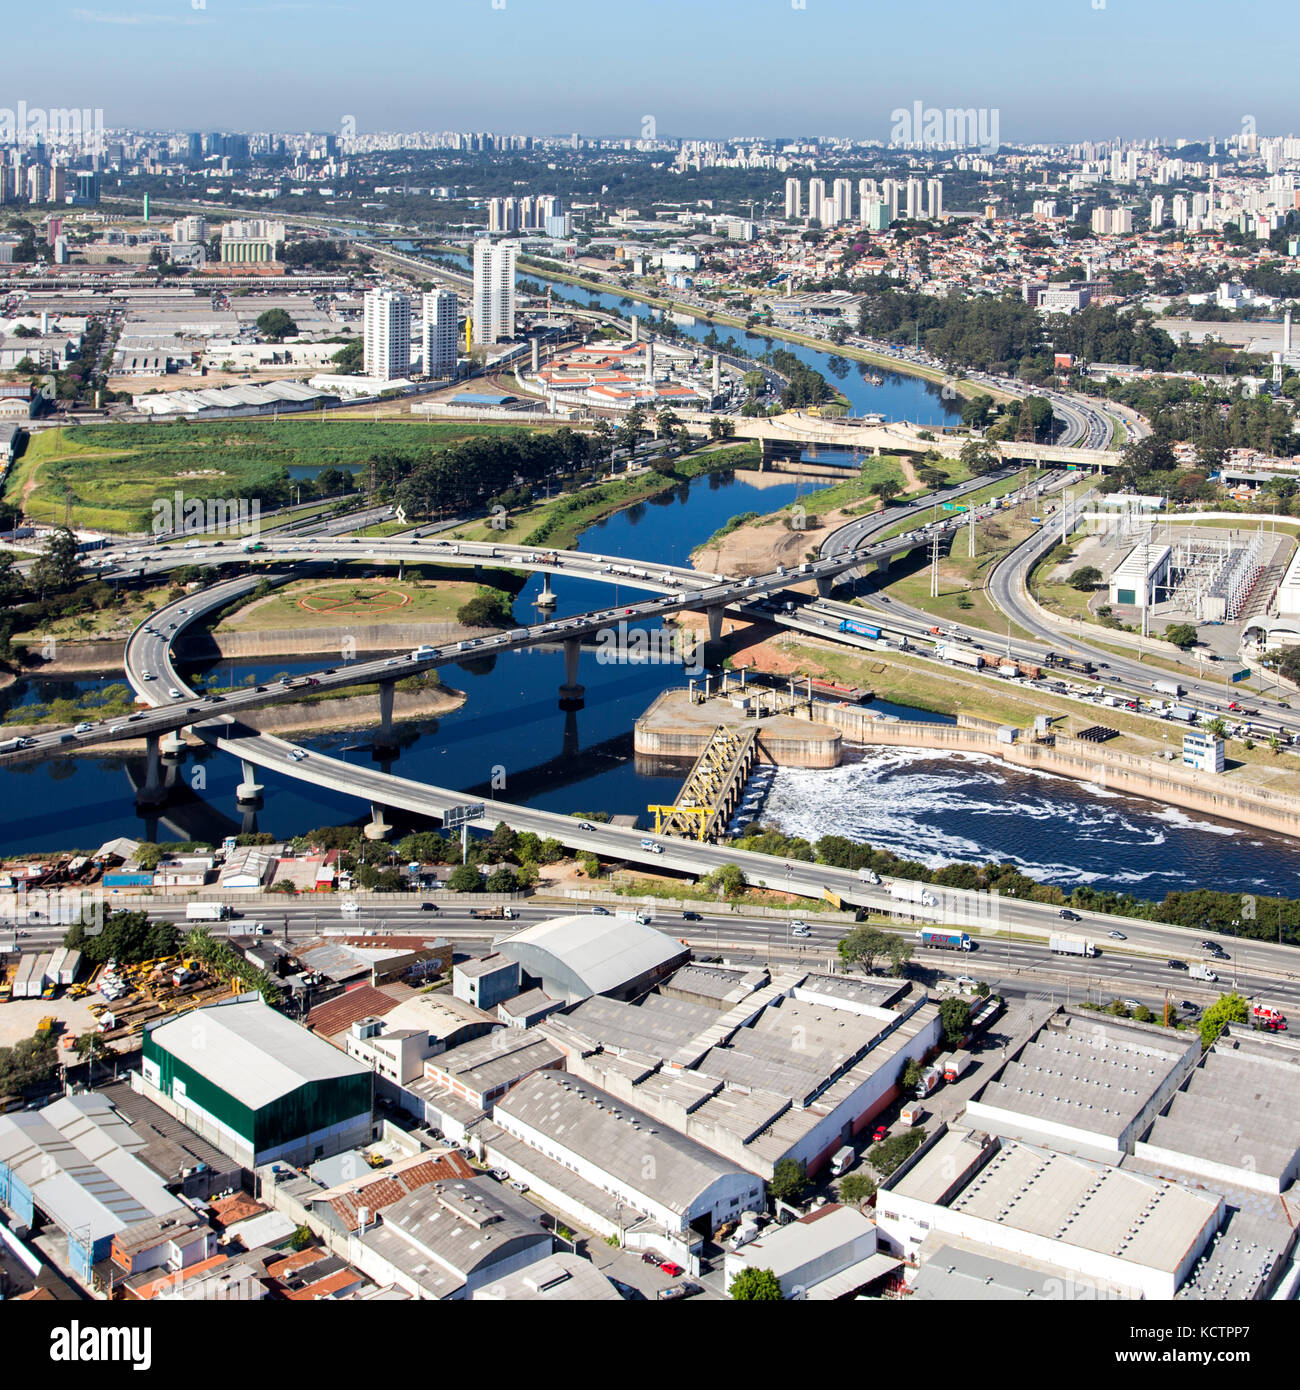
(293, 642)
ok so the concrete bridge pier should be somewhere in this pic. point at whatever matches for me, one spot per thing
(571, 693)
(377, 827)
(714, 616)
(250, 789)
(173, 745)
(546, 599)
(384, 733)
(826, 583)
(153, 792)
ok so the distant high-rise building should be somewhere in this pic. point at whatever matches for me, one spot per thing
(843, 199)
(190, 229)
(4, 184)
(87, 188)
(58, 184)
(1157, 212)
(36, 184)
(891, 190)
(441, 328)
(387, 335)
(877, 217)
(915, 190)
(816, 197)
(194, 148)
(866, 196)
(493, 309)
(1180, 210)
(934, 198)
(793, 200)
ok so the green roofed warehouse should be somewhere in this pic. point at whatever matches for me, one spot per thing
(255, 1085)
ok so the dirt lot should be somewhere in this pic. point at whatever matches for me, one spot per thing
(755, 549)
(19, 1017)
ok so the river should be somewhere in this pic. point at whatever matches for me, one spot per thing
(911, 801)
(898, 396)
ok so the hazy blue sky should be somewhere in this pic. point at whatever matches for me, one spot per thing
(1054, 69)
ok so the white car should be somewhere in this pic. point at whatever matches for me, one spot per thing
(349, 907)
(174, 694)
(297, 755)
(800, 929)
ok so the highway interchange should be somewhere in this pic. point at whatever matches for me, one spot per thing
(1013, 932)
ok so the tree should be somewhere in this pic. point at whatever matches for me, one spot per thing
(864, 946)
(910, 1076)
(979, 456)
(890, 1154)
(58, 568)
(856, 1188)
(1182, 635)
(954, 1019)
(275, 326)
(485, 610)
(1085, 577)
(900, 955)
(128, 937)
(502, 881)
(789, 1180)
(886, 489)
(29, 1062)
(727, 880)
(756, 1286)
(350, 358)
(503, 843)
(1227, 1008)
(301, 1238)
(90, 1047)
(465, 878)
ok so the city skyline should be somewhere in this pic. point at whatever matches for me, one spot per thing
(551, 72)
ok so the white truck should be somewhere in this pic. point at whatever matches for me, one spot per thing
(907, 891)
(421, 652)
(930, 1078)
(1167, 687)
(955, 1064)
(1071, 946)
(842, 1160)
(1198, 970)
(206, 912)
(962, 657)
(868, 876)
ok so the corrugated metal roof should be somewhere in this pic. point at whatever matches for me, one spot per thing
(253, 1053)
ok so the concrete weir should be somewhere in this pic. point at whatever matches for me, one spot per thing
(675, 728)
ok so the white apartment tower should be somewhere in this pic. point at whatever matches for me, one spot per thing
(890, 190)
(493, 311)
(934, 198)
(441, 332)
(387, 342)
(843, 195)
(816, 197)
(793, 200)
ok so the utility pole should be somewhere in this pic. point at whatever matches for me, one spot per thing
(934, 565)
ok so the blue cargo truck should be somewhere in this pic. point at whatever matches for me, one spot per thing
(859, 629)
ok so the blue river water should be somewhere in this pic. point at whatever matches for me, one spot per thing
(868, 389)
(911, 801)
